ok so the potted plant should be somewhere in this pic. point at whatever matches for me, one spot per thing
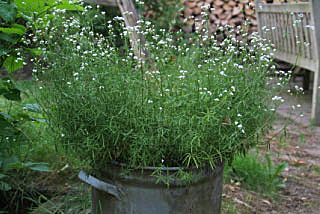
(156, 134)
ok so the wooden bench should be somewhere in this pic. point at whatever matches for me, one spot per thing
(294, 29)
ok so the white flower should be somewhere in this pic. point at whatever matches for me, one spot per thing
(161, 42)
(68, 83)
(216, 99)
(150, 101)
(222, 73)
(62, 135)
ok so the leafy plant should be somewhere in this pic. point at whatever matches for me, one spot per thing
(11, 164)
(17, 24)
(192, 104)
(255, 174)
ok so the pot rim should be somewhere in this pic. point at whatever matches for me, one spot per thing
(153, 168)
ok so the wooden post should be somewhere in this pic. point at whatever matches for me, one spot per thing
(316, 84)
(258, 4)
(130, 15)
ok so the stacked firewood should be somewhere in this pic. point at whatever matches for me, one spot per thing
(222, 12)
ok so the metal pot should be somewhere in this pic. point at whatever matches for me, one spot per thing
(137, 192)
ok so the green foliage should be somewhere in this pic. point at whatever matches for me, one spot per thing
(8, 167)
(7, 11)
(256, 174)
(163, 13)
(17, 23)
(196, 103)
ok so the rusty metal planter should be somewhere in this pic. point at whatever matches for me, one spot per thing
(137, 192)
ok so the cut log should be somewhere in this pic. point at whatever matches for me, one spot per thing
(197, 10)
(232, 3)
(218, 3)
(236, 11)
(237, 21)
(252, 20)
(249, 12)
(227, 7)
(213, 17)
(224, 22)
(217, 22)
(218, 11)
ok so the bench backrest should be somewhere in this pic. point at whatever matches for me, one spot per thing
(291, 28)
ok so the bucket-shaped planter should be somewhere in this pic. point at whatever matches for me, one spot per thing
(137, 192)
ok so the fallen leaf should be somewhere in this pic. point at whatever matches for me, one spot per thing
(266, 202)
(243, 203)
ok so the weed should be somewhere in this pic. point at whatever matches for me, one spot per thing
(77, 201)
(255, 174)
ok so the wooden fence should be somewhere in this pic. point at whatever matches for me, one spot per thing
(294, 29)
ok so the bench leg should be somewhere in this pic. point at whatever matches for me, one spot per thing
(306, 80)
(315, 116)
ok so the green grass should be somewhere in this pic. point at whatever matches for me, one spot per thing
(255, 174)
(77, 201)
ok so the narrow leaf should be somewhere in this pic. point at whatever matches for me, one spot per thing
(32, 107)
(8, 11)
(41, 168)
(14, 29)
